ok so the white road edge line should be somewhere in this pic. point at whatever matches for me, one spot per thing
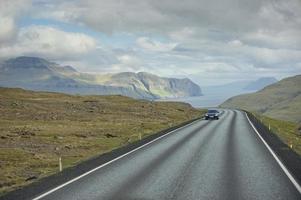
(288, 174)
(111, 161)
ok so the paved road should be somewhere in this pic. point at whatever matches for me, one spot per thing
(221, 159)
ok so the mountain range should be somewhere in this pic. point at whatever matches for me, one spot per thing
(259, 83)
(240, 87)
(281, 100)
(217, 94)
(41, 75)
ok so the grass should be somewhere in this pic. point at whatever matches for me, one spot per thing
(287, 131)
(36, 128)
(160, 92)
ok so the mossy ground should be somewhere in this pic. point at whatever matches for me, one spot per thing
(36, 128)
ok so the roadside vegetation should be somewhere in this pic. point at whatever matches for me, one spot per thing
(288, 132)
(36, 128)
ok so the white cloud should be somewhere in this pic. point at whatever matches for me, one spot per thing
(10, 10)
(235, 43)
(127, 63)
(49, 42)
(169, 15)
(7, 30)
(286, 39)
(152, 45)
(183, 34)
(222, 38)
(129, 60)
(274, 58)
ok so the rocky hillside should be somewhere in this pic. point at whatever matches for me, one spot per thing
(39, 74)
(161, 87)
(281, 100)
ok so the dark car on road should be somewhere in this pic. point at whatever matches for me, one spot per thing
(212, 114)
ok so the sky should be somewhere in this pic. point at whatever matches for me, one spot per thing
(211, 42)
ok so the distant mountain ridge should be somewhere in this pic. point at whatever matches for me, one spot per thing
(281, 100)
(260, 83)
(220, 93)
(39, 74)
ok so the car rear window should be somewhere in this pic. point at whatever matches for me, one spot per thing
(212, 111)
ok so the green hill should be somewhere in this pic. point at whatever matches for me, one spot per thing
(281, 100)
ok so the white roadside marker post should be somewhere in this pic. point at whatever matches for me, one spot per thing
(269, 127)
(140, 137)
(60, 163)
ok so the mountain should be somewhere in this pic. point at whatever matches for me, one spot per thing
(39, 74)
(235, 88)
(260, 83)
(240, 87)
(220, 93)
(281, 100)
(162, 87)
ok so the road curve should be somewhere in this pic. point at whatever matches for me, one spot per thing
(220, 159)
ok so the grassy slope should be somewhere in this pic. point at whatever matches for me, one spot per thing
(278, 105)
(38, 127)
(286, 131)
(281, 100)
(93, 79)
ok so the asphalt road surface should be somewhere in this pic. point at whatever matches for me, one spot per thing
(218, 159)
